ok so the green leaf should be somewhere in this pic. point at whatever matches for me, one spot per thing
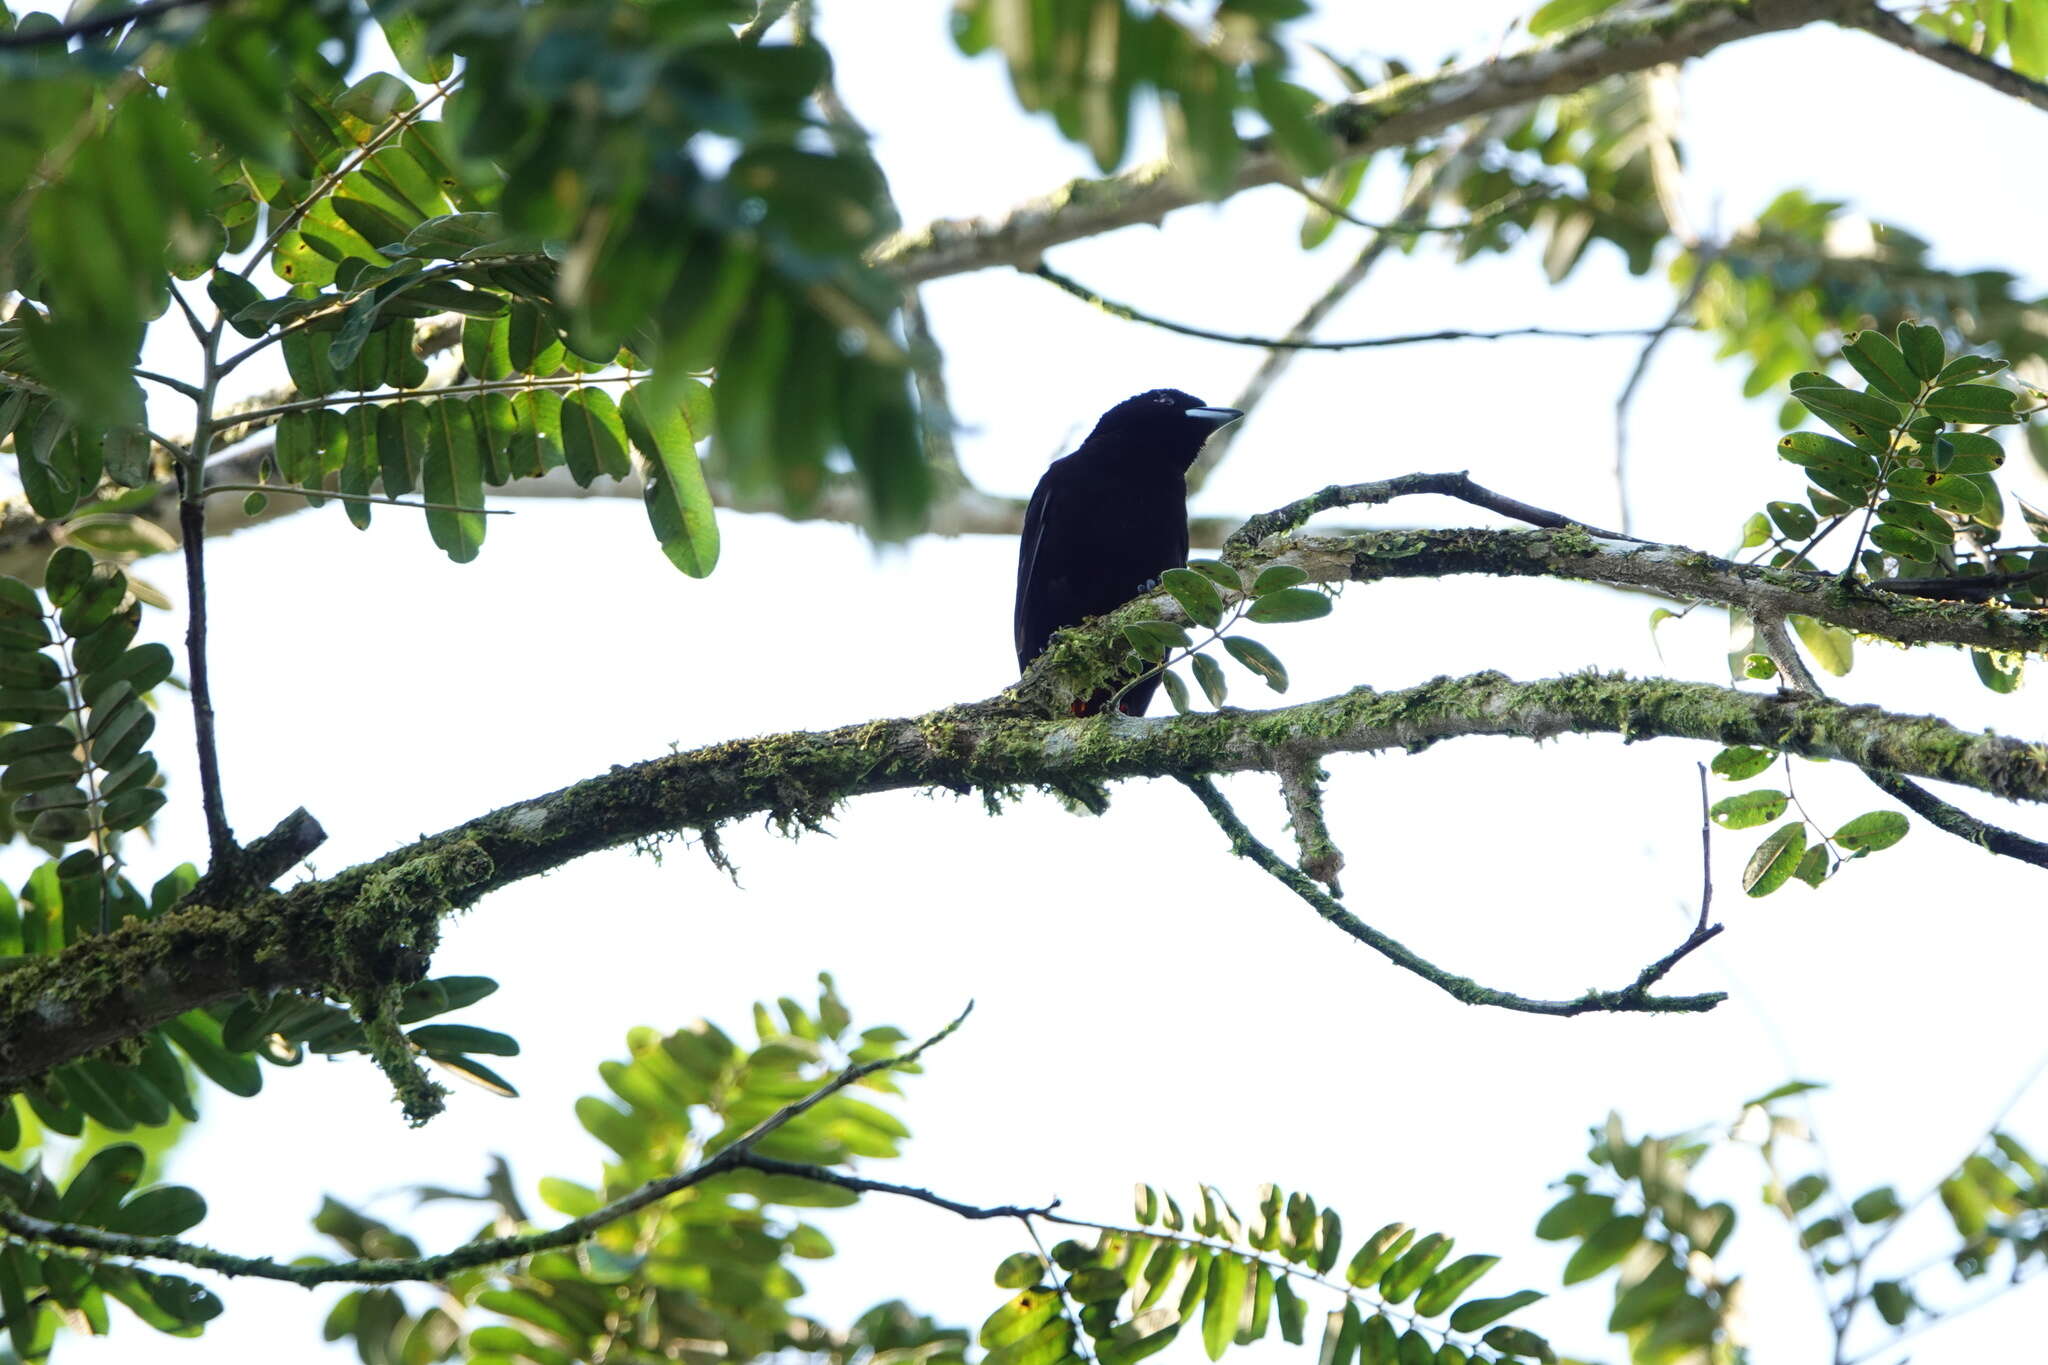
(1922, 348)
(1197, 596)
(1478, 1313)
(164, 1211)
(1277, 576)
(1209, 675)
(104, 1181)
(451, 474)
(1444, 1287)
(1575, 1215)
(593, 436)
(1176, 692)
(1377, 1253)
(678, 499)
(197, 1035)
(1951, 492)
(1882, 365)
(1997, 670)
(1894, 1302)
(1017, 1319)
(1289, 604)
(1742, 761)
(1603, 1248)
(1223, 1301)
(1964, 368)
(1812, 451)
(1019, 1270)
(1755, 531)
(1856, 414)
(1219, 573)
(1293, 1312)
(1748, 809)
(1795, 521)
(1813, 866)
(1559, 15)
(1258, 659)
(1341, 1333)
(1152, 639)
(1983, 404)
(1775, 860)
(1878, 1205)
(1407, 1273)
(1831, 647)
(1871, 831)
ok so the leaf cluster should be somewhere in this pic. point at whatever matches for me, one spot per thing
(1215, 596)
(43, 1289)
(1134, 1289)
(1089, 62)
(711, 1264)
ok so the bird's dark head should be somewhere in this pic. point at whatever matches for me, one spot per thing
(1165, 425)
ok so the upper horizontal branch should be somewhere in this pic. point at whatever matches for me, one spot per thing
(1891, 28)
(1389, 115)
(1672, 570)
(380, 916)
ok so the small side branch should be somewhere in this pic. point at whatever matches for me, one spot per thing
(1881, 23)
(1281, 520)
(1301, 788)
(220, 839)
(1302, 343)
(1957, 821)
(1633, 998)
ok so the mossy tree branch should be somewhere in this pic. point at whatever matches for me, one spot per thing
(1393, 114)
(362, 931)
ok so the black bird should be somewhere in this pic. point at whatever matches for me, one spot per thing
(1106, 521)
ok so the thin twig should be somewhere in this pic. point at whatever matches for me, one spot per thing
(199, 329)
(1633, 998)
(220, 838)
(175, 385)
(345, 399)
(1703, 260)
(1282, 520)
(491, 1251)
(377, 498)
(1954, 820)
(935, 407)
(1706, 851)
(93, 24)
(1130, 314)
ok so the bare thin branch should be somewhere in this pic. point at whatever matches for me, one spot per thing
(1634, 998)
(1303, 343)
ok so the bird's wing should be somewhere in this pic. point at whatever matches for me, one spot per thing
(1027, 567)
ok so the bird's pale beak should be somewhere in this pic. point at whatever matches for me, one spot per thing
(1215, 417)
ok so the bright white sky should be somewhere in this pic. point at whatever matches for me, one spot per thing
(1146, 1007)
